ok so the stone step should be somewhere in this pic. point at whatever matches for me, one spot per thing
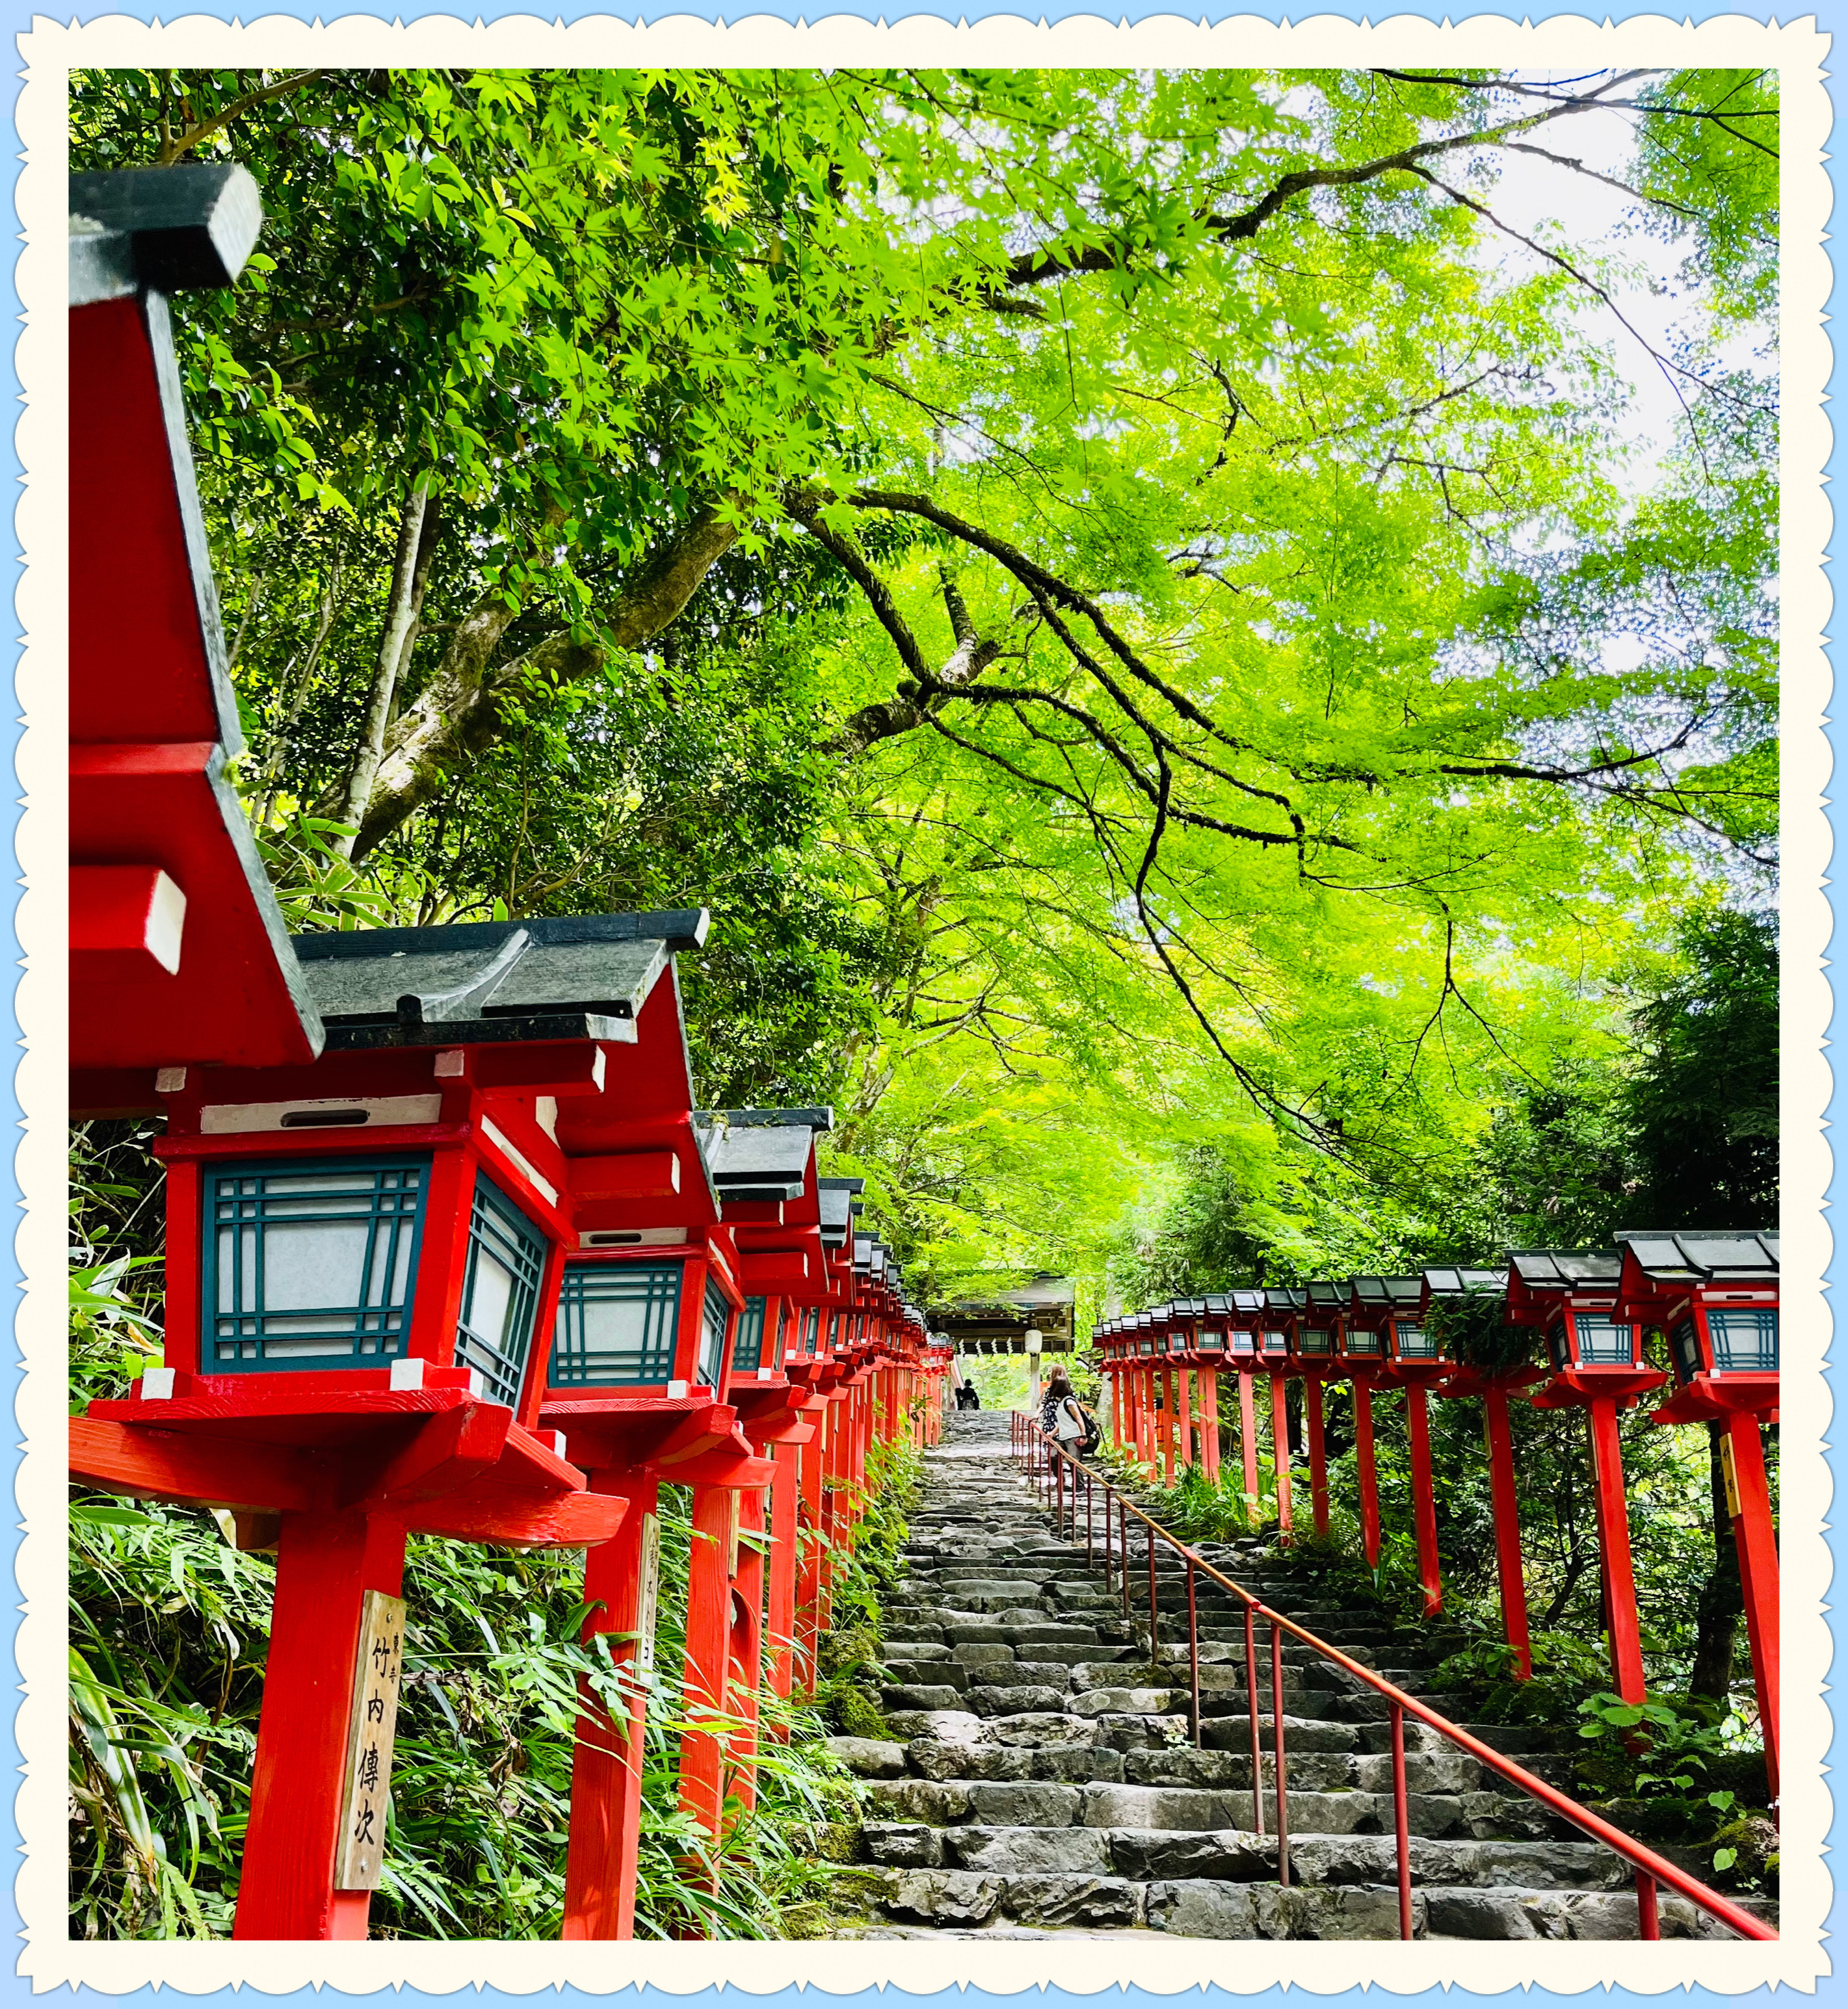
(1041, 1778)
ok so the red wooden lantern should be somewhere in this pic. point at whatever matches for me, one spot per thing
(178, 951)
(1208, 1325)
(1389, 1308)
(762, 1163)
(636, 1379)
(1596, 1356)
(351, 1319)
(1276, 1321)
(364, 1256)
(1492, 1385)
(1313, 1330)
(1716, 1295)
(1244, 1318)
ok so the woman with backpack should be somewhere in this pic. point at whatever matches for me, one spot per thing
(1066, 1420)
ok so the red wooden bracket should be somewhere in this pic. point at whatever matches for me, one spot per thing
(152, 1463)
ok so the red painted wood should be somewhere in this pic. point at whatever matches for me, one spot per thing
(1507, 1519)
(1248, 1433)
(1184, 1414)
(446, 1452)
(708, 1645)
(808, 1562)
(1424, 1513)
(625, 1175)
(1758, 1570)
(139, 675)
(1165, 1427)
(1613, 1541)
(173, 1464)
(606, 1767)
(785, 1500)
(1366, 1476)
(1318, 1452)
(263, 1407)
(1280, 1452)
(745, 1643)
(1209, 1422)
(560, 1068)
(324, 1566)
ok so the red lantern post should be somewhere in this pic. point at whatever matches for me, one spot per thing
(1493, 1384)
(1276, 1322)
(1314, 1344)
(1716, 1297)
(763, 1169)
(1361, 1345)
(1245, 1310)
(1211, 1322)
(1596, 1356)
(1413, 1362)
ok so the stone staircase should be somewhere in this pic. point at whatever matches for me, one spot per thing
(1048, 1781)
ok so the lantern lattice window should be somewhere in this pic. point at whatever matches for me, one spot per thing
(616, 1325)
(712, 1336)
(1315, 1339)
(1603, 1343)
(500, 1293)
(1743, 1340)
(747, 1350)
(310, 1266)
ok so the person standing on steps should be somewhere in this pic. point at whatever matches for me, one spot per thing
(1060, 1416)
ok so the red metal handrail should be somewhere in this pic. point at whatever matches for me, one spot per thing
(1047, 1460)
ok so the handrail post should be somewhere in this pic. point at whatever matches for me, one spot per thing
(1154, 1622)
(1648, 1917)
(1122, 1537)
(1194, 1647)
(1401, 1824)
(1088, 1543)
(1251, 1703)
(1277, 1753)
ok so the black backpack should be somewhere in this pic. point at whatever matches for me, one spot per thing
(1094, 1436)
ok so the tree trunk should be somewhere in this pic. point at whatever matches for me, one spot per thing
(1722, 1597)
(458, 716)
(410, 560)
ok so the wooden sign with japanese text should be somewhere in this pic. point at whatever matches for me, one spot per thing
(647, 1604)
(376, 1681)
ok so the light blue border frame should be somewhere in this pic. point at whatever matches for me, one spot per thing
(1831, 15)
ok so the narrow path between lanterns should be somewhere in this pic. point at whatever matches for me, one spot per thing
(1049, 1783)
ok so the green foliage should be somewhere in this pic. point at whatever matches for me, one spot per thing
(1474, 1330)
(1703, 1100)
(1358, 705)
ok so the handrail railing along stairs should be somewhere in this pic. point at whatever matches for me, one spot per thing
(1048, 1465)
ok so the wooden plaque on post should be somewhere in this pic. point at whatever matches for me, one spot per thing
(377, 1678)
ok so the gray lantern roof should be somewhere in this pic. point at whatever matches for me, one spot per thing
(1247, 1303)
(1698, 1256)
(863, 1254)
(1324, 1296)
(1286, 1298)
(168, 227)
(1451, 1283)
(583, 978)
(1397, 1294)
(1565, 1269)
(761, 1154)
(1217, 1305)
(838, 1206)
